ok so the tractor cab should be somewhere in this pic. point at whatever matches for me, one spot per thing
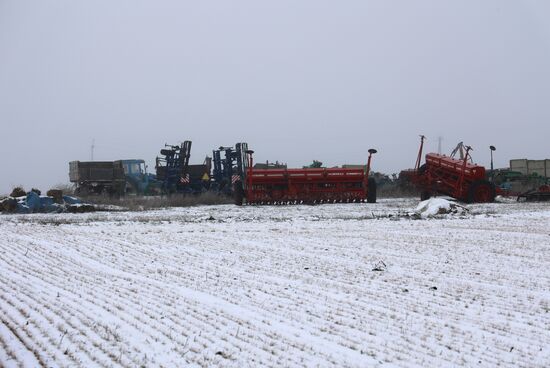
(134, 167)
(137, 179)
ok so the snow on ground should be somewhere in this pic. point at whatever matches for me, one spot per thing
(438, 206)
(277, 286)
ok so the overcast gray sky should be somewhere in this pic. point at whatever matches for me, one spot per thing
(297, 80)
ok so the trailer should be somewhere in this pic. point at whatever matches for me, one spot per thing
(458, 178)
(305, 186)
(98, 177)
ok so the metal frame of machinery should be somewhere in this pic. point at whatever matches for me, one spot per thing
(172, 168)
(230, 168)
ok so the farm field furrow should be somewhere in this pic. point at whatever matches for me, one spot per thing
(332, 285)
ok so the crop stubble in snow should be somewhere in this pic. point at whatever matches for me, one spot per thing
(277, 286)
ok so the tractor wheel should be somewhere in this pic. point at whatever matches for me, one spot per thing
(238, 193)
(371, 191)
(481, 191)
(130, 189)
(424, 195)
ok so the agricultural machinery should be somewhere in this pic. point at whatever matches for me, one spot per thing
(455, 177)
(176, 175)
(112, 177)
(535, 195)
(524, 177)
(138, 181)
(230, 168)
(307, 185)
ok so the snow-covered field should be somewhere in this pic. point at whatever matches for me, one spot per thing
(329, 285)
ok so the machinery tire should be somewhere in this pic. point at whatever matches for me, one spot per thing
(481, 191)
(424, 195)
(238, 193)
(130, 188)
(371, 191)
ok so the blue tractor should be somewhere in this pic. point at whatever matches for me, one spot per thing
(138, 181)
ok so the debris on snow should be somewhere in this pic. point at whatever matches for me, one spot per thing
(438, 206)
(18, 192)
(34, 202)
(223, 355)
(379, 266)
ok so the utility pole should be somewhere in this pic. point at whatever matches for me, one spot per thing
(92, 150)
(492, 148)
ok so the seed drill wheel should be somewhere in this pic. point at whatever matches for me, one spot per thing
(276, 195)
(481, 191)
(371, 191)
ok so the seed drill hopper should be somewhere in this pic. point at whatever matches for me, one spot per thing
(305, 186)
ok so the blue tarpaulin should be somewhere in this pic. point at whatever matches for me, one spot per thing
(33, 202)
(71, 200)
